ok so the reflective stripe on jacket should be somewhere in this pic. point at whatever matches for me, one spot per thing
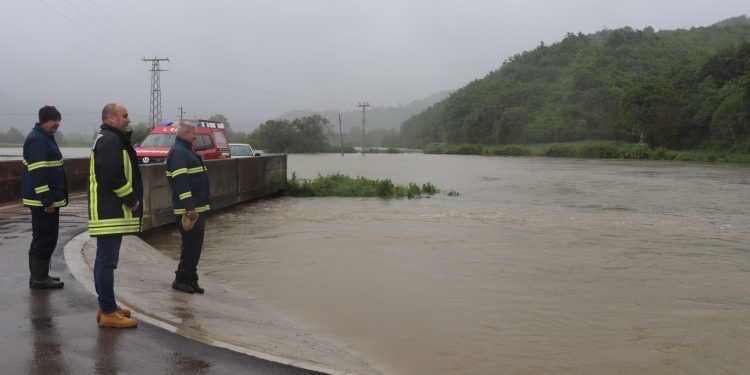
(114, 185)
(188, 178)
(43, 181)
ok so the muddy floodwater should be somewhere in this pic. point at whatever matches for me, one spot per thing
(540, 266)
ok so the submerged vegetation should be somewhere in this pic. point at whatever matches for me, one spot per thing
(339, 185)
(590, 150)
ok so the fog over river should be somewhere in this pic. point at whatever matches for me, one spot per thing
(540, 266)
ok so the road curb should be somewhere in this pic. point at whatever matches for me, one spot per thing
(83, 272)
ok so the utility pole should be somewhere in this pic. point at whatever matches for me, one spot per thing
(363, 105)
(155, 105)
(341, 135)
(181, 113)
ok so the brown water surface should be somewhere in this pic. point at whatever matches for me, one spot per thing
(540, 266)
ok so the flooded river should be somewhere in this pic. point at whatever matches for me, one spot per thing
(540, 266)
(16, 153)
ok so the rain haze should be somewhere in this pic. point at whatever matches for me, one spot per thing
(253, 61)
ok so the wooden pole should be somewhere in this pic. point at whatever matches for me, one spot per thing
(341, 135)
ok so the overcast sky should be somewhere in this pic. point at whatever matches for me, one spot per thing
(253, 60)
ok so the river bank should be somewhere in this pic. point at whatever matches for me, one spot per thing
(580, 150)
(590, 150)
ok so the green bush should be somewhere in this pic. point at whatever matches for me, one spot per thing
(459, 149)
(560, 151)
(662, 153)
(429, 188)
(592, 149)
(634, 151)
(507, 150)
(339, 185)
(598, 151)
(468, 150)
(434, 148)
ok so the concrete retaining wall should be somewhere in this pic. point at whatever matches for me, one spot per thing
(232, 181)
(77, 171)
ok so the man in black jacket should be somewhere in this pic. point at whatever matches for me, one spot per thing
(115, 194)
(188, 178)
(44, 192)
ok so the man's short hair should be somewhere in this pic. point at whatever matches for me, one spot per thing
(183, 127)
(109, 110)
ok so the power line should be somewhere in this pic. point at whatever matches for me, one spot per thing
(100, 25)
(120, 26)
(85, 29)
(256, 89)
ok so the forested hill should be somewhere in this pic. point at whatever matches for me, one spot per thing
(675, 89)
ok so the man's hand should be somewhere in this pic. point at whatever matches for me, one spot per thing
(191, 214)
(50, 209)
(135, 206)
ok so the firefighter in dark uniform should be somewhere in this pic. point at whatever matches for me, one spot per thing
(44, 192)
(188, 179)
(115, 194)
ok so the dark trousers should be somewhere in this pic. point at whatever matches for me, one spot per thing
(44, 229)
(190, 250)
(107, 257)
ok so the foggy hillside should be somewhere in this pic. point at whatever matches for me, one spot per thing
(377, 117)
(22, 114)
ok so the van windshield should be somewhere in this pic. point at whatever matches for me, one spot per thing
(158, 140)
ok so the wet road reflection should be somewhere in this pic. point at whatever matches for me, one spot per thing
(46, 350)
(107, 358)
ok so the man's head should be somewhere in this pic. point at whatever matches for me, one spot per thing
(186, 132)
(49, 118)
(116, 116)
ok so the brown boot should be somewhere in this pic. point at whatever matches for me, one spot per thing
(115, 320)
(124, 311)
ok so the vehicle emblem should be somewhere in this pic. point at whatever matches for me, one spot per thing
(145, 160)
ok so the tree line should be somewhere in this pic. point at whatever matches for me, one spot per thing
(313, 133)
(14, 136)
(679, 89)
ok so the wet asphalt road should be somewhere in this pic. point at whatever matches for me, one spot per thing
(55, 331)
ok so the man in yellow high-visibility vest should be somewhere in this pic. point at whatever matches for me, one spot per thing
(115, 194)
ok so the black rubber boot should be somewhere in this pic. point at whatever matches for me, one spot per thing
(39, 275)
(196, 288)
(182, 287)
(30, 273)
